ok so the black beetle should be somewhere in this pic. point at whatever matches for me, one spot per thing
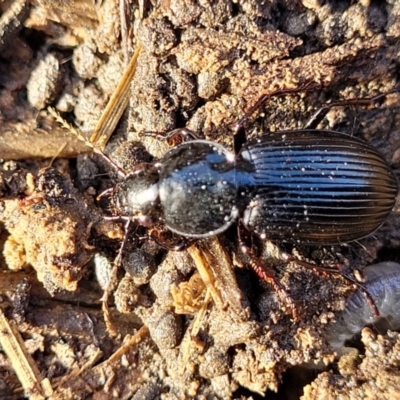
(305, 186)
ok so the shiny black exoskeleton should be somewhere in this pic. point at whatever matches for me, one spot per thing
(308, 186)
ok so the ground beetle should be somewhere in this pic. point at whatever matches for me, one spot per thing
(305, 186)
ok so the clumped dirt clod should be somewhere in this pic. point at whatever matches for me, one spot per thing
(49, 230)
(202, 65)
(357, 376)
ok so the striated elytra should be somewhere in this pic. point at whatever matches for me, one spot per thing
(305, 186)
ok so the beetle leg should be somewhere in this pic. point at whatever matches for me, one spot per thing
(266, 273)
(318, 269)
(113, 277)
(173, 242)
(183, 132)
(238, 131)
(266, 97)
(105, 193)
(318, 115)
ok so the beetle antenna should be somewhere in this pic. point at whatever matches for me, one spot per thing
(79, 135)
